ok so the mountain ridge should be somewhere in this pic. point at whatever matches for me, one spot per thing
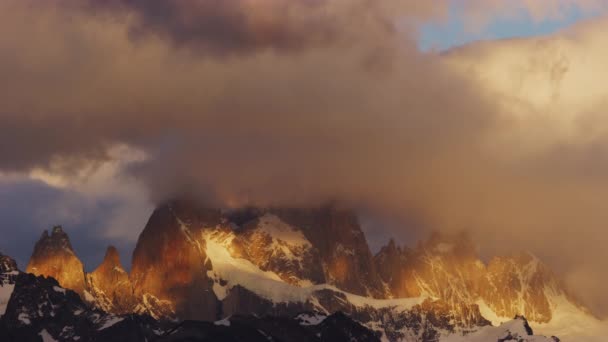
(193, 262)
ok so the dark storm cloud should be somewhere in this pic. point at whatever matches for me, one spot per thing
(235, 26)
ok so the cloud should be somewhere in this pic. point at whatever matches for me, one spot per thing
(245, 107)
(550, 148)
(244, 26)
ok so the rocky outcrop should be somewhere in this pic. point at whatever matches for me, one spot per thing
(54, 256)
(111, 282)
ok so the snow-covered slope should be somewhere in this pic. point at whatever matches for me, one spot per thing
(516, 330)
(8, 273)
(232, 271)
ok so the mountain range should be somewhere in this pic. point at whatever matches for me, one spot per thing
(281, 274)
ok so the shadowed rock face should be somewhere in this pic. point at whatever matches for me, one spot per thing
(54, 257)
(112, 281)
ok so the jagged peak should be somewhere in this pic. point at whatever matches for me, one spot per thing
(57, 241)
(58, 230)
(391, 248)
(112, 256)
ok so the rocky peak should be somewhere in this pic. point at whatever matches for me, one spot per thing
(53, 256)
(7, 264)
(57, 242)
(112, 258)
(391, 262)
(110, 284)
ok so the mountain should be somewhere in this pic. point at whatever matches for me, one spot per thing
(111, 286)
(196, 263)
(39, 309)
(54, 257)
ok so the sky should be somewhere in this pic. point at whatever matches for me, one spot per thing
(477, 115)
(453, 31)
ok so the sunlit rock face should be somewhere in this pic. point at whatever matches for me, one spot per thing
(169, 262)
(448, 268)
(111, 286)
(520, 285)
(276, 246)
(54, 257)
(347, 260)
(302, 247)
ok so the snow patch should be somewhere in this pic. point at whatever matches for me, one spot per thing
(220, 291)
(59, 289)
(490, 314)
(514, 329)
(88, 297)
(570, 323)
(46, 337)
(280, 230)
(6, 290)
(269, 285)
(24, 318)
(118, 269)
(310, 319)
(110, 322)
(225, 322)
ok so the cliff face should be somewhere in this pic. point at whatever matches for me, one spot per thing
(54, 256)
(170, 264)
(301, 246)
(447, 267)
(521, 285)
